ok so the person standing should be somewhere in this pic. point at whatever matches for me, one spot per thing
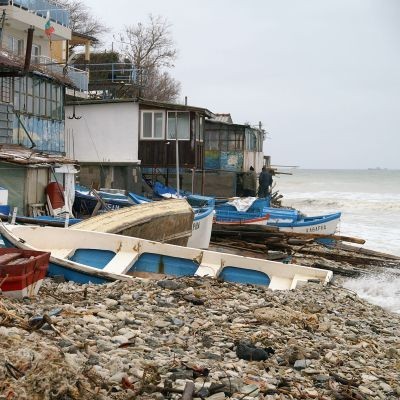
(265, 182)
(250, 183)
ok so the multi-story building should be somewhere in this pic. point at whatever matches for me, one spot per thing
(34, 78)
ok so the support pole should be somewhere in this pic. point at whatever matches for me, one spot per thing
(177, 152)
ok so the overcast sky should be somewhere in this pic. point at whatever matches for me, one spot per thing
(323, 76)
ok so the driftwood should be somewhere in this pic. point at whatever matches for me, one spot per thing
(266, 231)
(259, 241)
(188, 391)
(351, 272)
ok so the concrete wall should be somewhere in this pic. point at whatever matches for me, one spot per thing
(105, 133)
(220, 184)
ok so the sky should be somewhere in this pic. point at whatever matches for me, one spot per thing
(323, 77)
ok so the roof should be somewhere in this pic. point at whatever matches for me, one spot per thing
(13, 64)
(150, 103)
(77, 35)
(17, 154)
(175, 106)
(227, 118)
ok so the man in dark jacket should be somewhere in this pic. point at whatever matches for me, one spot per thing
(265, 183)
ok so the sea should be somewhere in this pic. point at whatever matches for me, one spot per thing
(370, 204)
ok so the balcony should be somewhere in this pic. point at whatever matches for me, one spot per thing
(79, 77)
(113, 80)
(40, 8)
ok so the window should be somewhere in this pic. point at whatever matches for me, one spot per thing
(230, 141)
(201, 129)
(6, 90)
(212, 141)
(198, 128)
(39, 97)
(182, 127)
(152, 125)
(36, 52)
(251, 141)
(15, 45)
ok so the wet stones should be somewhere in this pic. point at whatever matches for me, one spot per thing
(146, 340)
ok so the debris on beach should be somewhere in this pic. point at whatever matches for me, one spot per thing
(325, 252)
(152, 340)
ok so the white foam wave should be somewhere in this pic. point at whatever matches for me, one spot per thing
(382, 290)
(344, 201)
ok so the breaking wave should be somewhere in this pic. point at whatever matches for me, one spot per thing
(382, 290)
(343, 201)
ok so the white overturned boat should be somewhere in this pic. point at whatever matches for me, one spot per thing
(84, 256)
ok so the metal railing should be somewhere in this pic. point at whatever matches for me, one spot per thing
(112, 73)
(41, 7)
(79, 77)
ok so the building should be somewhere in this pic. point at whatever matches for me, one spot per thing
(33, 85)
(117, 140)
(229, 151)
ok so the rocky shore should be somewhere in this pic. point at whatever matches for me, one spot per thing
(197, 338)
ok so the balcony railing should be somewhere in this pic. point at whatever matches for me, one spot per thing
(109, 73)
(79, 77)
(40, 8)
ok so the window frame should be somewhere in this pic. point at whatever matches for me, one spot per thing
(189, 124)
(152, 112)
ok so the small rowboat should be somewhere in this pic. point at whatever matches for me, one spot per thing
(22, 271)
(84, 256)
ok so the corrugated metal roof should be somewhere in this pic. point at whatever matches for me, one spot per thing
(17, 154)
(227, 118)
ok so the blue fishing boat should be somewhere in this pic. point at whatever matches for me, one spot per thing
(86, 200)
(285, 219)
(84, 256)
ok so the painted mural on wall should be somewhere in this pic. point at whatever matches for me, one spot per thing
(211, 159)
(224, 160)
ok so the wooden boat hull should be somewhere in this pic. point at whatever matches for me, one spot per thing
(202, 224)
(22, 272)
(84, 256)
(166, 222)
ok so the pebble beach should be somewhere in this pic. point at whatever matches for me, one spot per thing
(197, 338)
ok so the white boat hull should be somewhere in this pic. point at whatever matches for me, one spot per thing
(324, 228)
(125, 253)
(201, 232)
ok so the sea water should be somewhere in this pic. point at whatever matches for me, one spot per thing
(370, 204)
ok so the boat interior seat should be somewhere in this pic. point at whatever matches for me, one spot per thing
(61, 253)
(208, 269)
(121, 262)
